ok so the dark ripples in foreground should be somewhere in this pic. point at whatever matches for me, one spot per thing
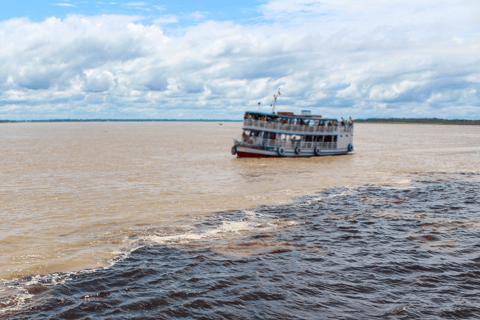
(361, 253)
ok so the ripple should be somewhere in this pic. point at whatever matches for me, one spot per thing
(345, 253)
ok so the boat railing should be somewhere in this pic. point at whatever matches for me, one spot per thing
(302, 144)
(295, 128)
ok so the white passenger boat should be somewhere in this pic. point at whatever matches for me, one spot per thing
(284, 134)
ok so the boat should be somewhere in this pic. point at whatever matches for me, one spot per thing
(284, 134)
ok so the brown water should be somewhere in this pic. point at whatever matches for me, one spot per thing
(72, 195)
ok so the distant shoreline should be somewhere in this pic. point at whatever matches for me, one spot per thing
(373, 120)
(120, 120)
(419, 121)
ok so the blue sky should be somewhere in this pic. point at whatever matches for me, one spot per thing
(188, 11)
(216, 59)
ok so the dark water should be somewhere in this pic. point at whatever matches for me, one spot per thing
(349, 253)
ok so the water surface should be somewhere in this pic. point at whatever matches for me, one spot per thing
(77, 198)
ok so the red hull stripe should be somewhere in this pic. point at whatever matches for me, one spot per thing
(254, 155)
(241, 154)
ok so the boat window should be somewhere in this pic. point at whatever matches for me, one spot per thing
(335, 138)
(327, 139)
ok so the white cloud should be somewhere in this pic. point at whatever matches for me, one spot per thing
(337, 64)
(98, 81)
(197, 15)
(136, 4)
(64, 4)
(360, 17)
(166, 19)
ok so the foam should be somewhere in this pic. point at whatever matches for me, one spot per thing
(19, 295)
(16, 294)
(224, 228)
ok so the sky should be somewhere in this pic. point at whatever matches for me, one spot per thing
(217, 59)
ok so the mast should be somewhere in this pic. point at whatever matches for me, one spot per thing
(275, 100)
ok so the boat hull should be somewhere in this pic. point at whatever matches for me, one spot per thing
(246, 152)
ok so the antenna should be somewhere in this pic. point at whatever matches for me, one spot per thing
(275, 100)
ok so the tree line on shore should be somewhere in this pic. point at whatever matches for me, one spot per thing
(124, 120)
(369, 120)
(419, 121)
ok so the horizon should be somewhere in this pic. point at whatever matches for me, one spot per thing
(200, 120)
(184, 60)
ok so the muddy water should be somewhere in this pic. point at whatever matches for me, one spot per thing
(74, 196)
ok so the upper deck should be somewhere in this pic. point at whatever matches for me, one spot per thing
(295, 124)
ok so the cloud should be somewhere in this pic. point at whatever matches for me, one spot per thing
(166, 19)
(98, 81)
(335, 62)
(197, 15)
(371, 16)
(136, 4)
(64, 4)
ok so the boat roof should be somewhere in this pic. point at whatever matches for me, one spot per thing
(288, 117)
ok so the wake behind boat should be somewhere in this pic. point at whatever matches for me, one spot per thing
(285, 134)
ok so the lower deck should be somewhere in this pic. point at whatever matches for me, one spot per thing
(252, 152)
